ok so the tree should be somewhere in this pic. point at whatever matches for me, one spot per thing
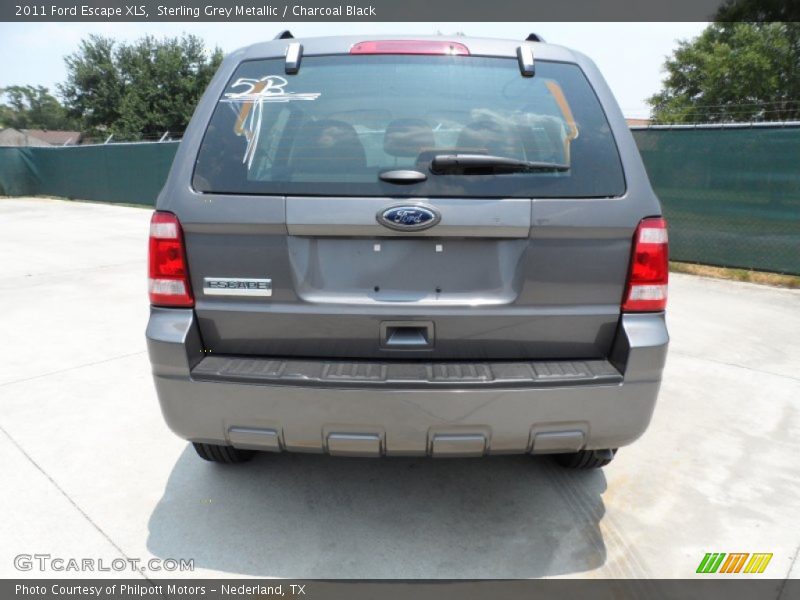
(93, 89)
(139, 89)
(30, 107)
(758, 11)
(733, 72)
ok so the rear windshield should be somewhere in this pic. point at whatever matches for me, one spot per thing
(332, 128)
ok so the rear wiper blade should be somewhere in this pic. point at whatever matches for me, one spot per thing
(482, 164)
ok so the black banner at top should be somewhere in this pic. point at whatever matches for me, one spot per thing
(392, 10)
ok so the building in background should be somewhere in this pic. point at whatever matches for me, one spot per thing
(38, 137)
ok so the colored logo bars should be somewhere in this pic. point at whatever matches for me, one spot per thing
(736, 562)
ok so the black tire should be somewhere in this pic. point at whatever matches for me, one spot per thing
(586, 459)
(222, 454)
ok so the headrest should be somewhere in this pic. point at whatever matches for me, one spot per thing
(407, 137)
(491, 136)
(328, 145)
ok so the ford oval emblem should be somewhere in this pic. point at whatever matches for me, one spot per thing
(409, 217)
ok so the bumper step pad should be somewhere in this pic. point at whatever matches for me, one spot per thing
(409, 374)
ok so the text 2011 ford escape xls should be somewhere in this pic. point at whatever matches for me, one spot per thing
(399, 246)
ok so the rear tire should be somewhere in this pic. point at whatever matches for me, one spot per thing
(585, 459)
(222, 454)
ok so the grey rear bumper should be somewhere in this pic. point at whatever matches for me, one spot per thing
(372, 409)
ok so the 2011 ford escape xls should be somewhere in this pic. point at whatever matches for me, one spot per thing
(432, 246)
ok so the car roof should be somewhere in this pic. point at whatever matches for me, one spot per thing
(342, 44)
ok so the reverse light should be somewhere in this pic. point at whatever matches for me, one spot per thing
(410, 47)
(646, 290)
(168, 280)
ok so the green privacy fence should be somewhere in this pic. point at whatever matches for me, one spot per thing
(731, 194)
(130, 173)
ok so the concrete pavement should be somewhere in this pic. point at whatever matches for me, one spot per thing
(91, 471)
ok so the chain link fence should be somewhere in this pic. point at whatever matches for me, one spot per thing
(128, 173)
(731, 194)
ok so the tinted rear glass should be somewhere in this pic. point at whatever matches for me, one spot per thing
(342, 120)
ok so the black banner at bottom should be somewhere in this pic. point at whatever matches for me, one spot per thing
(352, 589)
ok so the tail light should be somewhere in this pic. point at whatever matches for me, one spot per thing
(410, 47)
(649, 271)
(168, 273)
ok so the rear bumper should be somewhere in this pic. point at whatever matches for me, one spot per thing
(308, 406)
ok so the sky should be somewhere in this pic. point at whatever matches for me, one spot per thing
(630, 55)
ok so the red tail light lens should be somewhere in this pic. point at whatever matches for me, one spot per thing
(649, 272)
(168, 273)
(410, 47)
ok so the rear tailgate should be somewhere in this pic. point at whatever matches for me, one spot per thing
(287, 196)
(488, 283)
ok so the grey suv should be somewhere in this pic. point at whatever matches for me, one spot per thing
(391, 246)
